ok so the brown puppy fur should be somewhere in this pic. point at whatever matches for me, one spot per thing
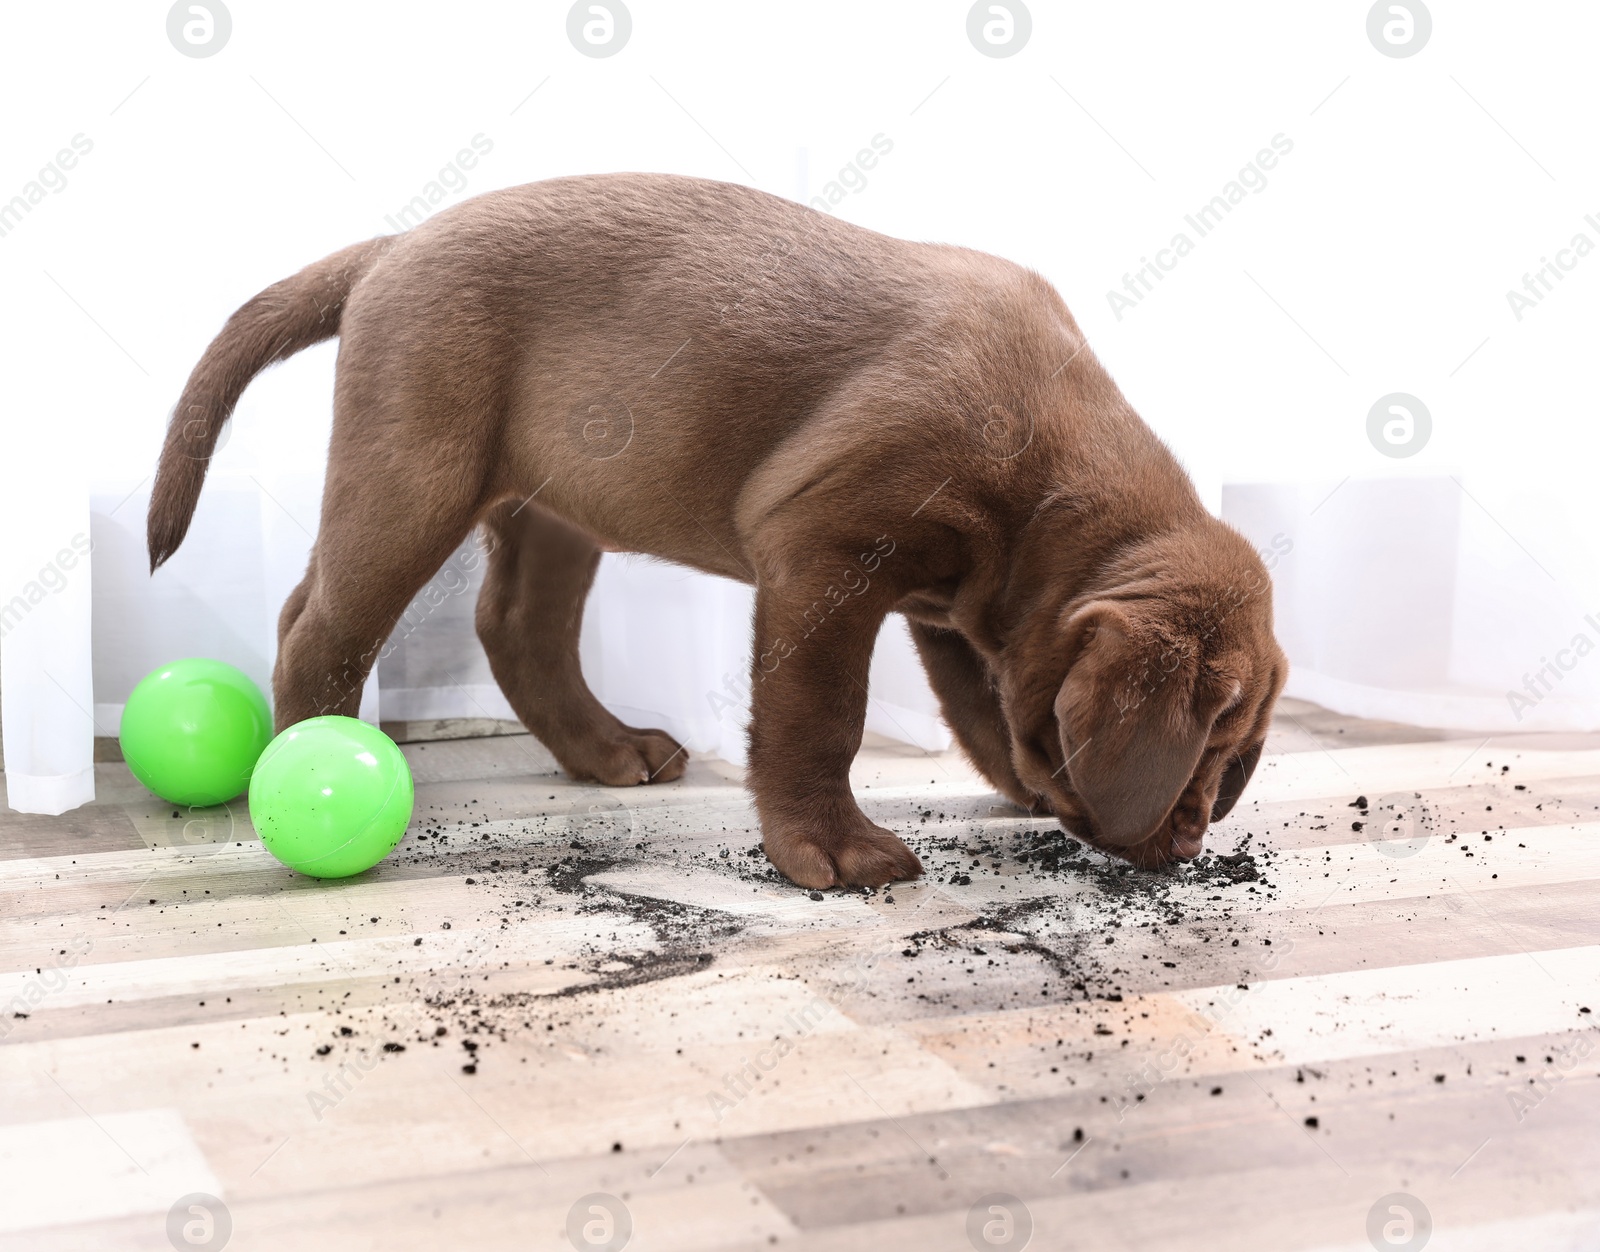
(855, 424)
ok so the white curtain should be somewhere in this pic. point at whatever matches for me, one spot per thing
(662, 646)
(218, 597)
(1406, 599)
(45, 675)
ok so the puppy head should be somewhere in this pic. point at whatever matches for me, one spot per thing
(1140, 708)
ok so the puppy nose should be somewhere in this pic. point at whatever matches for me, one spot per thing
(1188, 826)
(1186, 844)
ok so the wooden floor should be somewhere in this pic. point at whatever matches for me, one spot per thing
(561, 1008)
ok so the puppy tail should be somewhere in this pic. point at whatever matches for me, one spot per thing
(284, 319)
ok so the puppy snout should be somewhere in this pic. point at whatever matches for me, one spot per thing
(1188, 825)
(1186, 848)
(1181, 837)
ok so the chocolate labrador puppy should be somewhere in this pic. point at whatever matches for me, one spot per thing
(853, 424)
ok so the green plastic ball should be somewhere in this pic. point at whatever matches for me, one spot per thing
(331, 796)
(192, 731)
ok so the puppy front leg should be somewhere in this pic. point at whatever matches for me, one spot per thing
(813, 649)
(971, 706)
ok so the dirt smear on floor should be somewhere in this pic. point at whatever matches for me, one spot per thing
(1063, 908)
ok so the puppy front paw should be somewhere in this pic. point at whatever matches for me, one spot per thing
(841, 852)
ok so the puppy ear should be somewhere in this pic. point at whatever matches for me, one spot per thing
(1130, 732)
(1234, 780)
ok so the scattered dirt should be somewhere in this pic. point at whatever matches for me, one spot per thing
(1062, 912)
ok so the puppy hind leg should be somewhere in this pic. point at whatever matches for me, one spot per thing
(529, 618)
(296, 603)
(382, 537)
